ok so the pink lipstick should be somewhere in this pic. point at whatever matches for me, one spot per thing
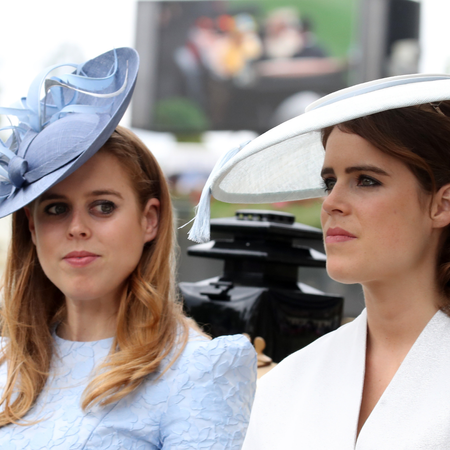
(80, 258)
(335, 235)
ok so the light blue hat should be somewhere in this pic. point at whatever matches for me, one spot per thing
(63, 121)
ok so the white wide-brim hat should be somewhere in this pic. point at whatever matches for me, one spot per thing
(285, 162)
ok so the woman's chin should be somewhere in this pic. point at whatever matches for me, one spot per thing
(342, 274)
(84, 294)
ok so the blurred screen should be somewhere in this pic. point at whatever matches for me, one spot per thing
(233, 65)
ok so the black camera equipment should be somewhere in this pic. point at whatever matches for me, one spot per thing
(258, 292)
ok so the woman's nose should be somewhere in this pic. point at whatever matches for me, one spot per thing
(336, 201)
(78, 226)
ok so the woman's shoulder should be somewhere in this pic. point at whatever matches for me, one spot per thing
(211, 378)
(224, 355)
(236, 345)
(205, 396)
(205, 361)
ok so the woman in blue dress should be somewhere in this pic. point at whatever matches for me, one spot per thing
(96, 351)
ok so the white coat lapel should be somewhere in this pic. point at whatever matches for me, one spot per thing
(311, 400)
(414, 411)
(333, 389)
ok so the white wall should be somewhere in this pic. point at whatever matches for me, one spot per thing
(435, 36)
(35, 33)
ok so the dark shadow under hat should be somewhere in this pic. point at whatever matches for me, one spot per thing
(63, 121)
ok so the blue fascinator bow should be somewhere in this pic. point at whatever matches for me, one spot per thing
(63, 121)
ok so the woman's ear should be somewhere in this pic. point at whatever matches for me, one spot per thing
(151, 219)
(31, 226)
(440, 207)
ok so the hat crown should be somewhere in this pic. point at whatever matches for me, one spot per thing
(63, 121)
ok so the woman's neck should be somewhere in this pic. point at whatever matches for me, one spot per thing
(399, 305)
(398, 311)
(89, 320)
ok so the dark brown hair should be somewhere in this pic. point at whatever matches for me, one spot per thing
(419, 136)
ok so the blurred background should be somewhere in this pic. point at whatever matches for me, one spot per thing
(215, 73)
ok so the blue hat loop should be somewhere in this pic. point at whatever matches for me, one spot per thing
(17, 167)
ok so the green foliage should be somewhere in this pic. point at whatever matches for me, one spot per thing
(180, 115)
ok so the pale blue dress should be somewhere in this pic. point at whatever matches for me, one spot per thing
(202, 402)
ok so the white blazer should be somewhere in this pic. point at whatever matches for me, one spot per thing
(311, 400)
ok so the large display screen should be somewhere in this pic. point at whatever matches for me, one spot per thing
(240, 64)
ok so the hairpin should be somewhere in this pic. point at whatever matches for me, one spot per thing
(435, 106)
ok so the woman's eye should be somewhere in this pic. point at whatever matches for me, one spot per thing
(56, 209)
(364, 180)
(328, 184)
(104, 207)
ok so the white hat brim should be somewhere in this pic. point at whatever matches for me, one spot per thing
(285, 162)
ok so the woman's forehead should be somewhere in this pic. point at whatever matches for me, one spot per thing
(101, 173)
(350, 152)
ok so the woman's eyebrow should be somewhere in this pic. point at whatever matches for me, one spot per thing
(326, 171)
(365, 168)
(106, 192)
(50, 196)
(53, 196)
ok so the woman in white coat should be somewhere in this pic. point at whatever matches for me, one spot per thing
(380, 382)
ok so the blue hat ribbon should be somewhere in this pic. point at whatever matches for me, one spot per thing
(35, 114)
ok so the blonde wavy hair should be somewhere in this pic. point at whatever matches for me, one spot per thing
(150, 322)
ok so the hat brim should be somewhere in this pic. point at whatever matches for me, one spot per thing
(285, 162)
(127, 69)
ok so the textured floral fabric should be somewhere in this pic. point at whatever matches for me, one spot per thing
(202, 402)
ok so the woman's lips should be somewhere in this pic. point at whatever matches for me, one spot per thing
(80, 259)
(337, 234)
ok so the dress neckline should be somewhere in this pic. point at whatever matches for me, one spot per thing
(60, 342)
